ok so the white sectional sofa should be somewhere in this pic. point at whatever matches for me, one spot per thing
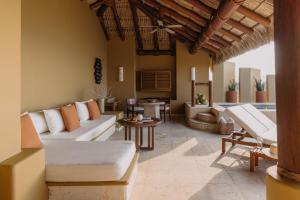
(81, 164)
(97, 130)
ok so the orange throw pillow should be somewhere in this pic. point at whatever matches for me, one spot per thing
(93, 110)
(29, 136)
(70, 117)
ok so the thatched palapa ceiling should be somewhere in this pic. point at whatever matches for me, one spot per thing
(222, 28)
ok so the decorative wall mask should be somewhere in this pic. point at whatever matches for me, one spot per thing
(98, 71)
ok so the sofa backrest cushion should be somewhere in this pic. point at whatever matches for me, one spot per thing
(54, 120)
(29, 136)
(82, 111)
(39, 122)
(93, 110)
(70, 117)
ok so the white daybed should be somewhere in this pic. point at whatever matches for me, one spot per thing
(98, 130)
(77, 170)
(254, 124)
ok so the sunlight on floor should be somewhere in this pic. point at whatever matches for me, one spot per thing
(186, 165)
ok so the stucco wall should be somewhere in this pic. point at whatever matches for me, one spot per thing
(163, 62)
(184, 62)
(271, 88)
(247, 84)
(22, 175)
(223, 74)
(10, 70)
(122, 53)
(60, 41)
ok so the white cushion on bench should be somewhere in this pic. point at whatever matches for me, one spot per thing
(70, 161)
(89, 130)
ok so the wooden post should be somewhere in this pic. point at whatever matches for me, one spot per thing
(287, 51)
(210, 94)
(193, 93)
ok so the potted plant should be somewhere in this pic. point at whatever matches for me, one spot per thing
(260, 91)
(231, 94)
(201, 99)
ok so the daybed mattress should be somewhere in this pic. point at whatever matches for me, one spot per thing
(70, 161)
(89, 130)
(254, 122)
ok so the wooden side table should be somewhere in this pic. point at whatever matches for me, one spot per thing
(139, 126)
(257, 153)
(113, 106)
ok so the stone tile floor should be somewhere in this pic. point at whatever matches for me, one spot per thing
(186, 165)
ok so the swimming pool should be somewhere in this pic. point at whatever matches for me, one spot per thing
(260, 106)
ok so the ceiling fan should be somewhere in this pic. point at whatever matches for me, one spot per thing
(162, 26)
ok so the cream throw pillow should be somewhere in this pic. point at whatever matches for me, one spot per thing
(39, 122)
(54, 120)
(82, 111)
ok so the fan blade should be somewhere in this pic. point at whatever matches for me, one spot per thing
(155, 30)
(174, 26)
(169, 30)
(160, 23)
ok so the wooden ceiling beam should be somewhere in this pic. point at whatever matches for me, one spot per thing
(211, 48)
(187, 29)
(117, 20)
(254, 16)
(216, 43)
(226, 9)
(136, 24)
(186, 32)
(152, 13)
(101, 10)
(155, 35)
(96, 5)
(240, 27)
(230, 35)
(155, 52)
(188, 13)
(171, 13)
(100, 13)
(200, 6)
(221, 40)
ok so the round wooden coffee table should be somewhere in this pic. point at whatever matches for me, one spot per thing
(139, 126)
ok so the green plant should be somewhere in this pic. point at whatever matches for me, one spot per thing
(201, 99)
(260, 85)
(232, 85)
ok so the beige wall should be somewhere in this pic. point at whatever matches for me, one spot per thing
(23, 176)
(271, 89)
(122, 53)
(184, 62)
(10, 49)
(163, 62)
(223, 73)
(60, 41)
(247, 84)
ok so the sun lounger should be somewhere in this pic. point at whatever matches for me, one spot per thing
(253, 124)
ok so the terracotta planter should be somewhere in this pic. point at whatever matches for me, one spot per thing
(231, 96)
(261, 97)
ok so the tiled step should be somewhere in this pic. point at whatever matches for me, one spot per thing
(207, 117)
(204, 126)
